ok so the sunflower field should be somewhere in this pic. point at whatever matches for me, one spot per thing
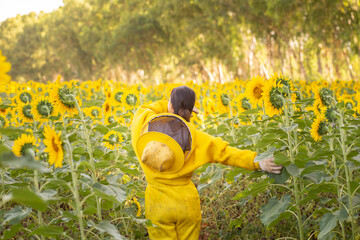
(68, 170)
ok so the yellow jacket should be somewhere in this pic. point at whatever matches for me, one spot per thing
(204, 149)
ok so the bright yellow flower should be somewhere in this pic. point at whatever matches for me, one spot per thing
(273, 98)
(42, 109)
(318, 127)
(113, 140)
(24, 111)
(130, 99)
(254, 91)
(64, 101)
(53, 145)
(24, 97)
(24, 143)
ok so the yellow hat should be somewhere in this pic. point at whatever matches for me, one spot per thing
(160, 152)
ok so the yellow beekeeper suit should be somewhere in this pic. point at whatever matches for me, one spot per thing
(171, 200)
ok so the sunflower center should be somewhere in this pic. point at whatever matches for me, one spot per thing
(2, 110)
(66, 98)
(55, 146)
(257, 92)
(107, 107)
(131, 99)
(325, 96)
(25, 147)
(95, 112)
(25, 97)
(118, 96)
(2, 121)
(225, 100)
(45, 108)
(322, 130)
(276, 98)
(27, 111)
(245, 103)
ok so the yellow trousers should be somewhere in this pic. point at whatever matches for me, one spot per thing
(175, 210)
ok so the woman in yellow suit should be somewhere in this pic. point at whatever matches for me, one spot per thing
(169, 149)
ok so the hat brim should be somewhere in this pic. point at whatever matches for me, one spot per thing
(145, 138)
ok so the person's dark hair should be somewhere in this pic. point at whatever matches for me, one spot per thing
(183, 100)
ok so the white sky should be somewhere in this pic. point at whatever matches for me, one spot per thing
(10, 8)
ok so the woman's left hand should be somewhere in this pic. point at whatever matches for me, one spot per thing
(268, 165)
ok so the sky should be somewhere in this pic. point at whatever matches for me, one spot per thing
(10, 8)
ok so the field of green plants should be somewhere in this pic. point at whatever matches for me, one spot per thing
(68, 170)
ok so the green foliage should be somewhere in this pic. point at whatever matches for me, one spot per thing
(92, 38)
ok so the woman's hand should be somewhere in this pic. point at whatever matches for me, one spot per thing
(268, 165)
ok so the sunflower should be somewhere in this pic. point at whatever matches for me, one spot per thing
(24, 97)
(116, 97)
(53, 145)
(323, 97)
(223, 102)
(4, 69)
(43, 109)
(93, 112)
(24, 111)
(113, 139)
(254, 91)
(130, 99)
(318, 127)
(242, 102)
(63, 99)
(272, 96)
(107, 107)
(24, 143)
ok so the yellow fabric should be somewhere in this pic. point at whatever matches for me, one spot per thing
(171, 189)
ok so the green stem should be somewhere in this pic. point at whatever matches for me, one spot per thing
(296, 179)
(76, 190)
(91, 155)
(347, 175)
(333, 160)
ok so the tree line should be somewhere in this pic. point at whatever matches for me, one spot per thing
(171, 40)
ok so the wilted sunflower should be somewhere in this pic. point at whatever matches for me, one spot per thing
(24, 111)
(254, 91)
(53, 145)
(63, 99)
(318, 127)
(113, 139)
(130, 99)
(42, 109)
(273, 98)
(24, 143)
